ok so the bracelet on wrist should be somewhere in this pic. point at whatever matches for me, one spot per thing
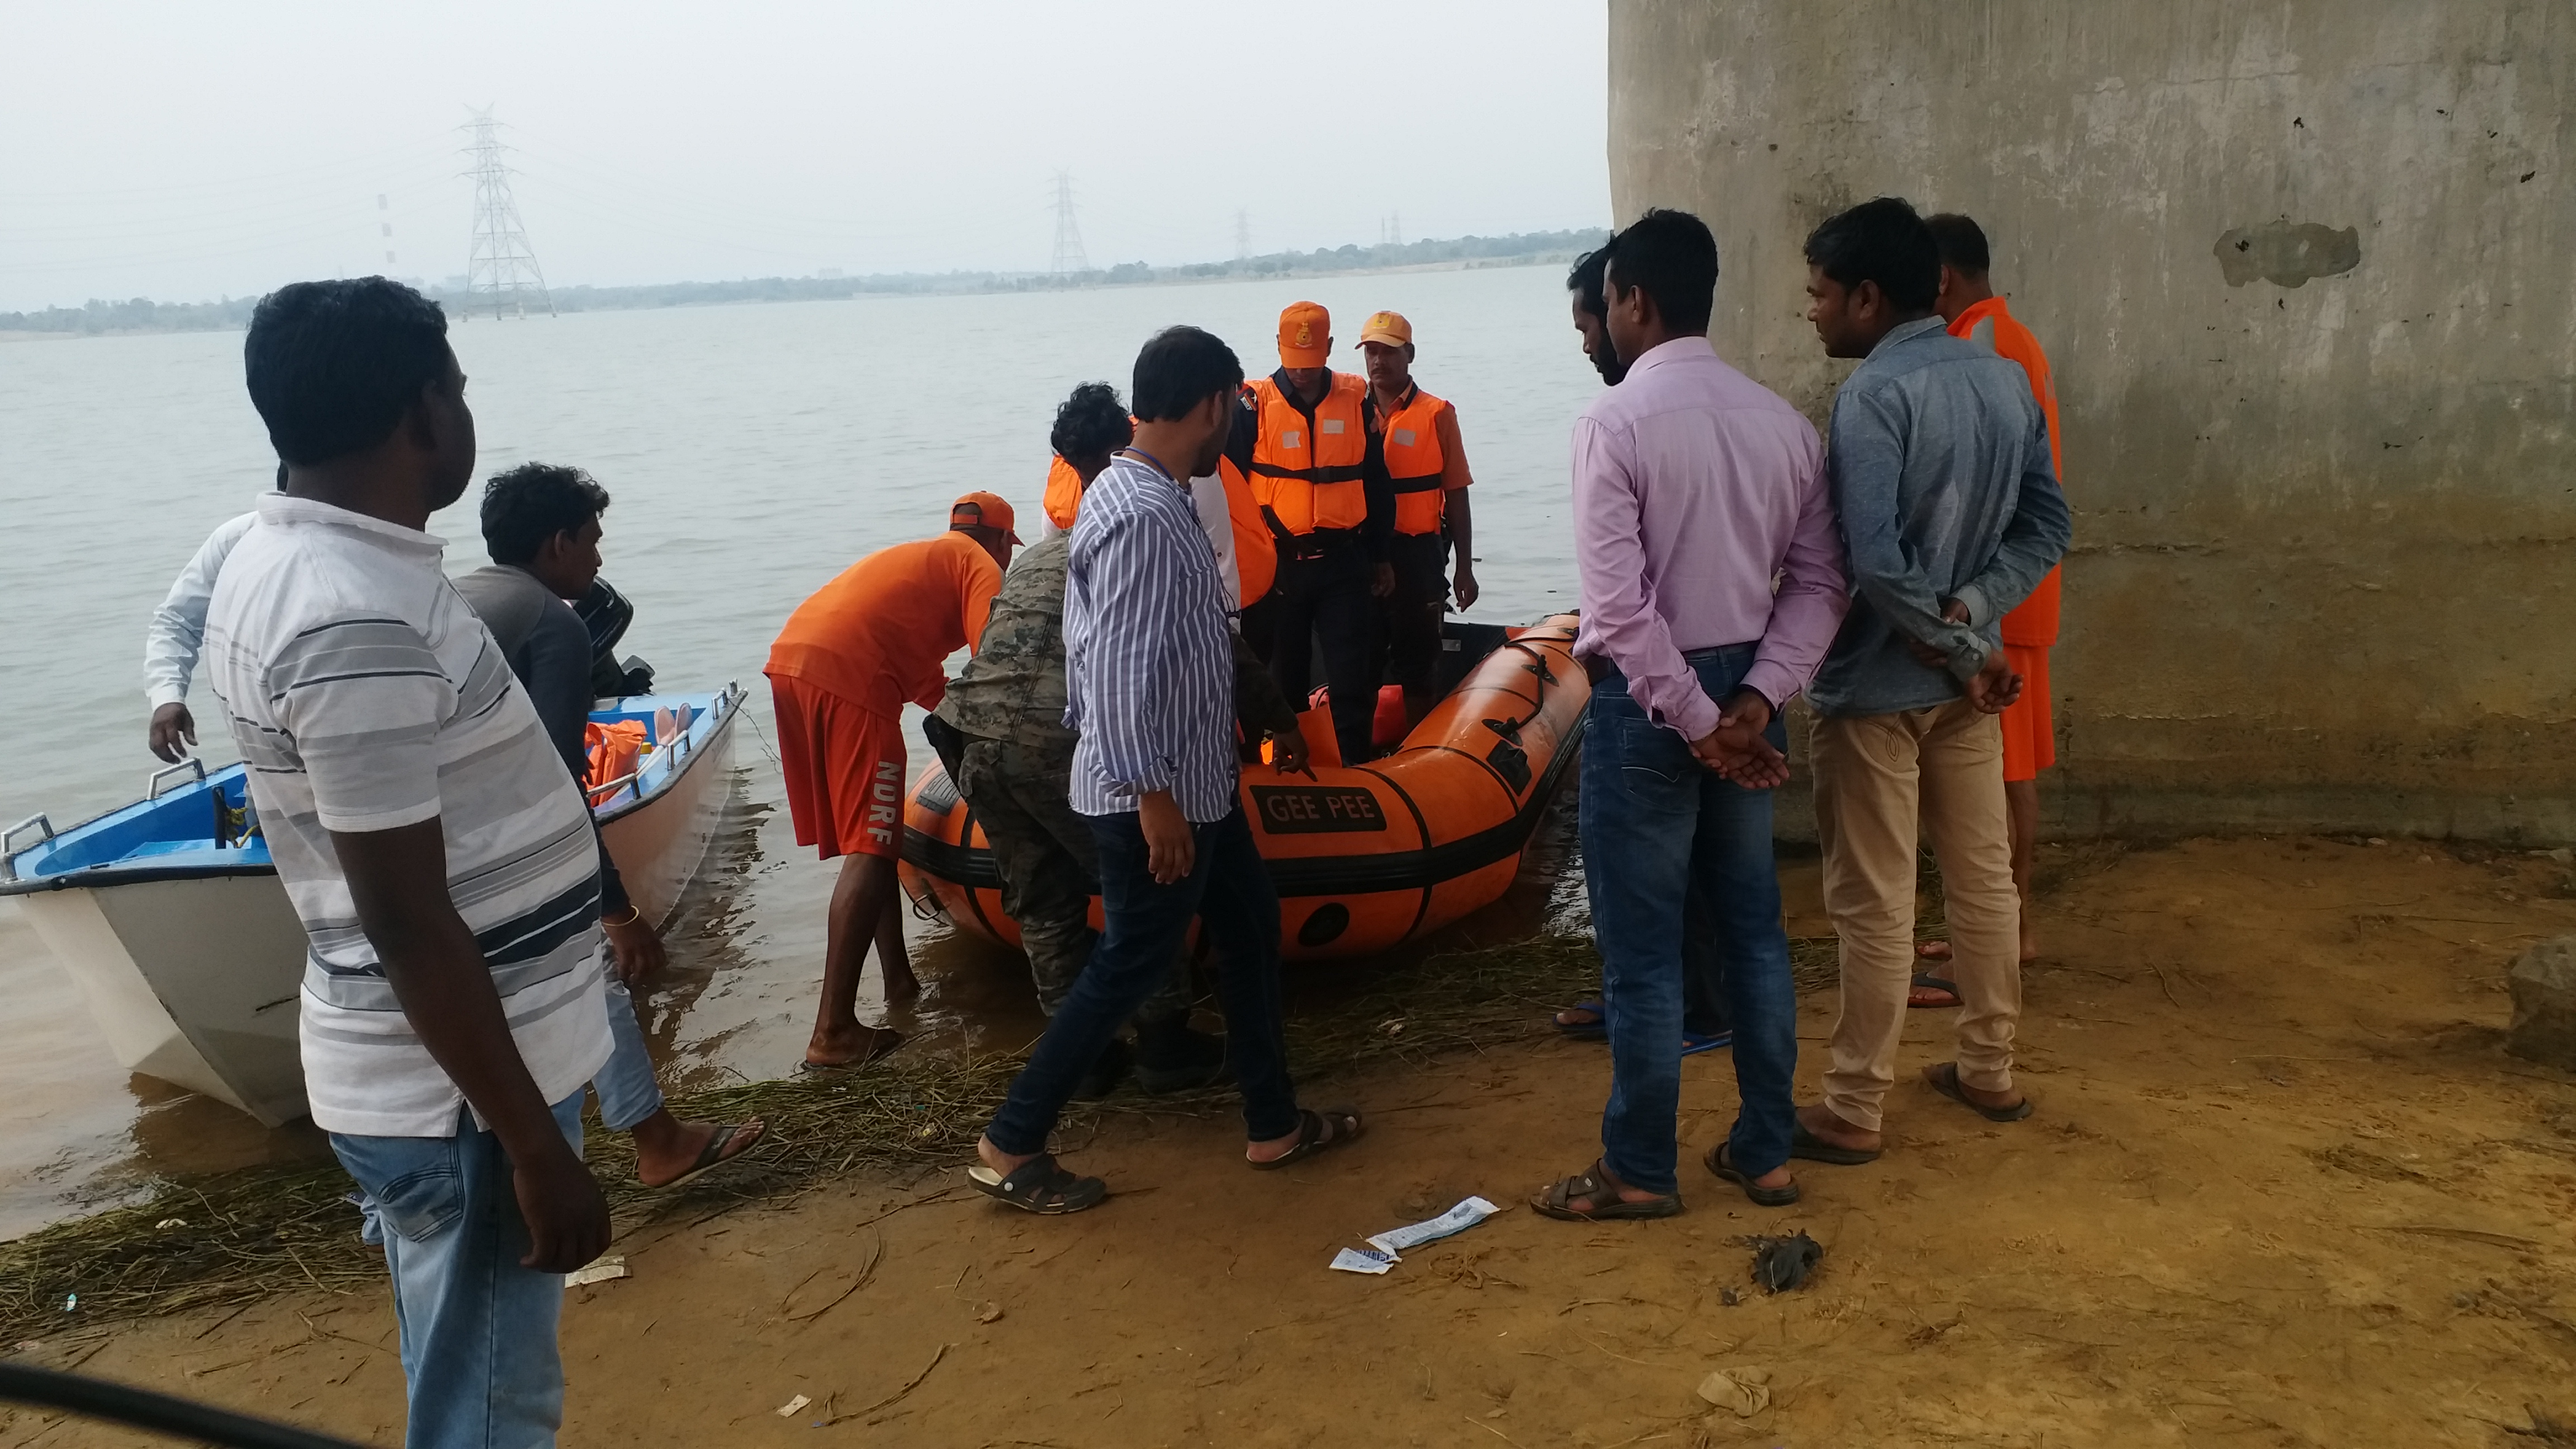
(633, 914)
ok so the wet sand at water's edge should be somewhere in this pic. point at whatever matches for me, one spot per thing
(2283, 1188)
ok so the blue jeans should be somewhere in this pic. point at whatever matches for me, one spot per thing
(1229, 890)
(478, 1331)
(627, 1091)
(1659, 829)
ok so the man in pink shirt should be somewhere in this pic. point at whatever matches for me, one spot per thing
(1694, 489)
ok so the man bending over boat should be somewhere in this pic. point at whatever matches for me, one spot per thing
(541, 525)
(1149, 686)
(851, 657)
(439, 857)
(1014, 765)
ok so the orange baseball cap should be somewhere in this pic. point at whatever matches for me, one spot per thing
(1305, 335)
(1387, 327)
(982, 510)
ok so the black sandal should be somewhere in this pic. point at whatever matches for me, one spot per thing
(1722, 1162)
(1318, 1132)
(1593, 1185)
(1944, 1079)
(1039, 1186)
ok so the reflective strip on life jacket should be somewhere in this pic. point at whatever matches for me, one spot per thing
(1413, 462)
(1307, 468)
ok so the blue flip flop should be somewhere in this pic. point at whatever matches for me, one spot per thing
(1693, 1043)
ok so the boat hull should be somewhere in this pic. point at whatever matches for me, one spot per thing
(1364, 858)
(659, 845)
(222, 954)
(192, 963)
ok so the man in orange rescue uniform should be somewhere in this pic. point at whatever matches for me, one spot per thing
(850, 658)
(1327, 504)
(1969, 305)
(1415, 437)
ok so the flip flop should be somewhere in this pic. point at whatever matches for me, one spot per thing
(1593, 1185)
(1344, 1126)
(1593, 1030)
(886, 1040)
(715, 1153)
(1806, 1144)
(1039, 1186)
(1693, 1043)
(1944, 1079)
(1722, 1162)
(1925, 981)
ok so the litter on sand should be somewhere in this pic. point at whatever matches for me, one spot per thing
(599, 1270)
(1458, 1219)
(1361, 1260)
(793, 1407)
(1744, 1392)
(1780, 1264)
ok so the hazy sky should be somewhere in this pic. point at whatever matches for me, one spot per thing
(186, 151)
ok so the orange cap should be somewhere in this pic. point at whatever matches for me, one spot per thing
(1305, 335)
(1387, 327)
(982, 510)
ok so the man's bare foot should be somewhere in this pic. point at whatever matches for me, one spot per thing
(843, 1046)
(1825, 1127)
(1002, 1162)
(668, 1148)
(1576, 1018)
(1316, 1132)
(1931, 950)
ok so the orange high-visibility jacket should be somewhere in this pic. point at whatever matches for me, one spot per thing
(1415, 463)
(2032, 623)
(1306, 470)
(1256, 555)
(1063, 494)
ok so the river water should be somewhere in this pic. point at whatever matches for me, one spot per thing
(752, 452)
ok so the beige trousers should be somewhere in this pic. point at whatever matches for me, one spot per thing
(1878, 778)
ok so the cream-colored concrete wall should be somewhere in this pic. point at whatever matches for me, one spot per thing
(2307, 273)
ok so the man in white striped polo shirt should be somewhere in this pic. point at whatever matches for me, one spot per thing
(439, 855)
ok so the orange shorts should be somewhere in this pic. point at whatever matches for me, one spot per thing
(2030, 730)
(844, 768)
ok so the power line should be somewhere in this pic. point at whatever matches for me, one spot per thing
(1069, 257)
(501, 265)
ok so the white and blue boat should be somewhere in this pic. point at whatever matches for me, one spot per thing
(169, 915)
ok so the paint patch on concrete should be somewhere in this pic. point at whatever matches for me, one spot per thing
(2285, 253)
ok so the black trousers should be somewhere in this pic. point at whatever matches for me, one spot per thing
(1322, 598)
(1410, 617)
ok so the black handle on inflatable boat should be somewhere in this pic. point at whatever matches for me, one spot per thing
(144, 1409)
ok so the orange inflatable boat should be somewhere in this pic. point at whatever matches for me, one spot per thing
(1364, 857)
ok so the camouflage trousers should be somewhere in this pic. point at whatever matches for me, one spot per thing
(1048, 864)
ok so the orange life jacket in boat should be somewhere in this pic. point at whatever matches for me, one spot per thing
(1306, 469)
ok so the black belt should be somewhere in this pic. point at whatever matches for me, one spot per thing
(1308, 547)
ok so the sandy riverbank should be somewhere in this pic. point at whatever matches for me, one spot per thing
(2283, 1189)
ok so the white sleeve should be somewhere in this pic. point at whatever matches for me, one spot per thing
(178, 626)
(1207, 495)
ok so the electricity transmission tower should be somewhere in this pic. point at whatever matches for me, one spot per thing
(1242, 235)
(501, 266)
(1069, 257)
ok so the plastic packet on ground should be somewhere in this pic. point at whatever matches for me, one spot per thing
(1361, 1260)
(1457, 1220)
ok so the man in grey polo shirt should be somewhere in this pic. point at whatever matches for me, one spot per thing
(438, 853)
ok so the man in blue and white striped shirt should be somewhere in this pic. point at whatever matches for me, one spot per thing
(1149, 685)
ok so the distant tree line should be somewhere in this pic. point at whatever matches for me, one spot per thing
(144, 315)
